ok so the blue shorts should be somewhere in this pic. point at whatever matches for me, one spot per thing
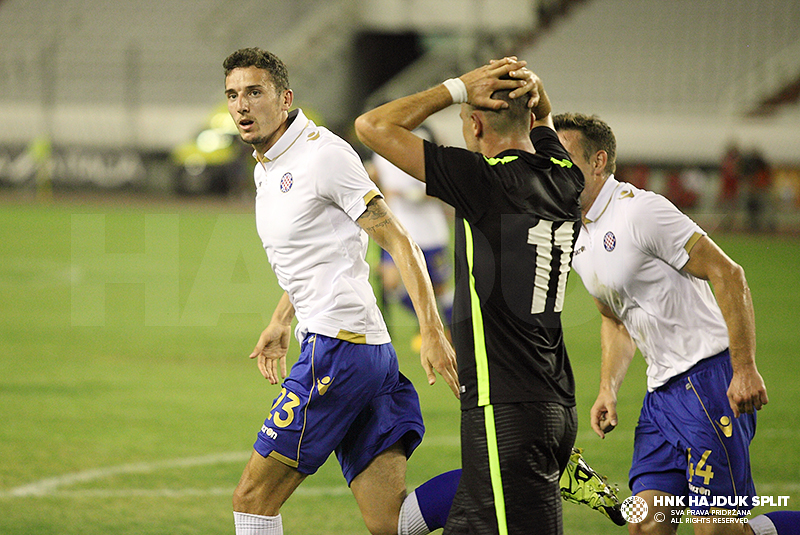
(689, 444)
(342, 397)
(438, 261)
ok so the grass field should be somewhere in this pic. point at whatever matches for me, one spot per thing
(129, 406)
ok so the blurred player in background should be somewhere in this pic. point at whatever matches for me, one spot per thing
(648, 267)
(315, 206)
(517, 216)
(426, 220)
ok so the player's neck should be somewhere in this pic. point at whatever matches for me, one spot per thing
(590, 192)
(491, 146)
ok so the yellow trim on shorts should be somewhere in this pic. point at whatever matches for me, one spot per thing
(310, 394)
(716, 432)
(283, 458)
(353, 338)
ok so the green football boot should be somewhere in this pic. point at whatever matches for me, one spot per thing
(581, 484)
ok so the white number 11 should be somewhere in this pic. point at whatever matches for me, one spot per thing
(545, 240)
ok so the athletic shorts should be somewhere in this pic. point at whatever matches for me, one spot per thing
(342, 397)
(437, 260)
(687, 441)
(512, 455)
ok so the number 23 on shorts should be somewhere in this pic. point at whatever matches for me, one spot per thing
(285, 403)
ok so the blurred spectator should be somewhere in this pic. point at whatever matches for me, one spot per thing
(730, 175)
(757, 175)
(677, 191)
(637, 175)
(41, 152)
(426, 219)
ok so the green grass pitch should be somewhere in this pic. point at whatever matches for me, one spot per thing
(129, 406)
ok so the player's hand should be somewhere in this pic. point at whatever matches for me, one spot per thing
(747, 392)
(485, 80)
(532, 83)
(603, 415)
(438, 354)
(271, 349)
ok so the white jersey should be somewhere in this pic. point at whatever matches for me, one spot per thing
(422, 216)
(629, 254)
(310, 189)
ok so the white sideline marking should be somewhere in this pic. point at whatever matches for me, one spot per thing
(53, 486)
(50, 486)
(184, 493)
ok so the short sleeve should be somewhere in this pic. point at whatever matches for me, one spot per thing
(343, 179)
(660, 229)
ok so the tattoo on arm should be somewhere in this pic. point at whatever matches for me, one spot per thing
(376, 216)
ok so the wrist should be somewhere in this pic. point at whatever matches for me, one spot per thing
(431, 328)
(457, 89)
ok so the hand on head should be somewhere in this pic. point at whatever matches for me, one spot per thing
(508, 73)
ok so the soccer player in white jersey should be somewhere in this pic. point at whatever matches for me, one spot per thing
(315, 206)
(648, 267)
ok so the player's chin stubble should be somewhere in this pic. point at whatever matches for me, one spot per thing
(254, 141)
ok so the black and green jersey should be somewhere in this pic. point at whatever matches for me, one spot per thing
(517, 219)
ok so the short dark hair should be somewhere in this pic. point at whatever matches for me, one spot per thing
(261, 59)
(517, 116)
(597, 135)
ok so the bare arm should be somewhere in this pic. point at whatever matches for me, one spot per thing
(747, 391)
(617, 351)
(387, 129)
(274, 341)
(436, 352)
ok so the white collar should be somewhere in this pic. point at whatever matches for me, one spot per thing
(602, 200)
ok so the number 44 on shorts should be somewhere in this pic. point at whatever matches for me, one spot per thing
(703, 469)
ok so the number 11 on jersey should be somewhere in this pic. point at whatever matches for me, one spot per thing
(546, 240)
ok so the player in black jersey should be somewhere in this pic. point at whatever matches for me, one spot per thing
(516, 196)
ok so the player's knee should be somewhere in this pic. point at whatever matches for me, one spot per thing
(247, 499)
(242, 498)
(385, 525)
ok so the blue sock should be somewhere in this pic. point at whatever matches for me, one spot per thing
(435, 497)
(786, 522)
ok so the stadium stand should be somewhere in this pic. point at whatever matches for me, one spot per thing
(678, 80)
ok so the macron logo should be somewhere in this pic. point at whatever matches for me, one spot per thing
(269, 432)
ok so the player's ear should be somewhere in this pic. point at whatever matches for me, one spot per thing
(287, 99)
(600, 160)
(476, 121)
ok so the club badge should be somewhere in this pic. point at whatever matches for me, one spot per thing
(609, 241)
(286, 182)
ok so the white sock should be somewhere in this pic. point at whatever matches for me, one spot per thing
(411, 521)
(247, 524)
(762, 525)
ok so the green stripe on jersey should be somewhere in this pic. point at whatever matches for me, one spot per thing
(478, 336)
(503, 160)
(494, 470)
(562, 163)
